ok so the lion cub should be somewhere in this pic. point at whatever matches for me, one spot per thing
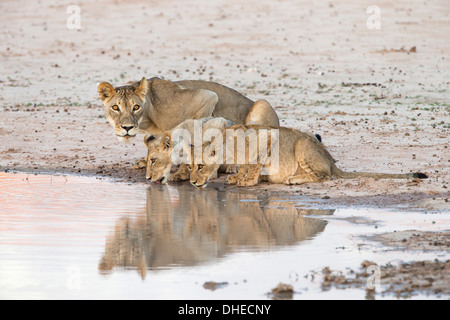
(162, 150)
(291, 157)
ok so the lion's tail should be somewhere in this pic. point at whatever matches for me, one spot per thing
(352, 175)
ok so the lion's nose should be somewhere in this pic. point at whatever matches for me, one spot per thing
(127, 128)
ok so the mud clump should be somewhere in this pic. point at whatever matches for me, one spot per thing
(212, 285)
(282, 292)
(427, 277)
(416, 240)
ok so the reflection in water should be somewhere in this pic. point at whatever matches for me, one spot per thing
(186, 227)
(53, 231)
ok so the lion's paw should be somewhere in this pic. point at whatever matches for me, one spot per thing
(176, 177)
(246, 183)
(140, 164)
(232, 179)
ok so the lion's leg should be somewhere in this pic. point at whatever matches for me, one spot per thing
(252, 176)
(313, 165)
(228, 168)
(140, 164)
(299, 179)
(262, 113)
(203, 102)
(182, 174)
(233, 179)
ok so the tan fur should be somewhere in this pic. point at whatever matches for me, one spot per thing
(164, 104)
(263, 114)
(302, 159)
(159, 156)
(159, 159)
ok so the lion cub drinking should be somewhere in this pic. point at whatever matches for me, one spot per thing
(299, 157)
(176, 144)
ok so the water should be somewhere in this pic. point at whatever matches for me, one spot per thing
(70, 237)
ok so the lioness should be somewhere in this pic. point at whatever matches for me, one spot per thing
(159, 156)
(157, 105)
(302, 159)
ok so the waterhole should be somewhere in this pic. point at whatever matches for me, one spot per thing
(72, 237)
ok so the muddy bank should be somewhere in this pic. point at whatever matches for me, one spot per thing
(415, 240)
(316, 197)
(429, 278)
(78, 140)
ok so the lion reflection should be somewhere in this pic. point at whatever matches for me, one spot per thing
(185, 226)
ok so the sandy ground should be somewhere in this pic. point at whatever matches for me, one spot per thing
(379, 98)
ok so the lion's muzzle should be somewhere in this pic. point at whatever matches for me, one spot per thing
(127, 131)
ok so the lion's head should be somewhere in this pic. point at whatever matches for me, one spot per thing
(159, 160)
(124, 107)
(204, 170)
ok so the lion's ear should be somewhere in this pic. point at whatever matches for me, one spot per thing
(142, 88)
(166, 141)
(148, 138)
(105, 90)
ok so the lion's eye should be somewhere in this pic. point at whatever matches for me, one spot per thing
(189, 168)
(200, 167)
(153, 161)
(115, 107)
(136, 107)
